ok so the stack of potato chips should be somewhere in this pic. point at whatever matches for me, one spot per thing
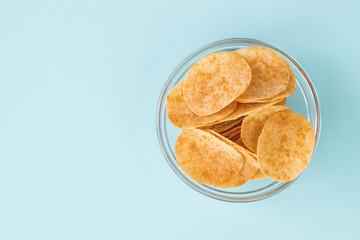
(231, 107)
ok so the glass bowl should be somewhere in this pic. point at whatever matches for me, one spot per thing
(304, 101)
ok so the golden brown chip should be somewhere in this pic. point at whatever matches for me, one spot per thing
(258, 175)
(285, 146)
(231, 132)
(243, 109)
(245, 174)
(223, 127)
(240, 142)
(181, 116)
(254, 123)
(290, 88)
(270, 73)
(282, 102)
(206, 159)
(234, 136)
(215, 81)
(229, 129)
(288, 92)
(249, 168)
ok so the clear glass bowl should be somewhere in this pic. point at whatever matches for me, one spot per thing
(304, 101)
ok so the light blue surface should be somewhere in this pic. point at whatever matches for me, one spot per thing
(79, 83)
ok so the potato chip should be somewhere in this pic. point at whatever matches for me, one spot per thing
(240, 142)
(258, 175)
(245, 174)
(270, 73)
(206, 159)
(249, 168)
(285, 146)
(181, 116)
(234, 136)
(215, 81)
(233, 131)
(288, 91)
(223, 127)
(254, 123)
(290, 88)
(243, 109)
(230, 130)
(282, 102)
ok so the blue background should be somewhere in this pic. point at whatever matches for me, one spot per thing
(79, 84)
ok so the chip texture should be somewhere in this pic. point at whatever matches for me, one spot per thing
(226, 126)
(249, 168)
(229, 129)
(285, 146)
(270, 73)
(243, 109)
(290, 88)
(254, 123)
(288, 92)
(282, 102)
(181, 116)
(215, 81)
(240, 142)
(205, 158)
(258, 175)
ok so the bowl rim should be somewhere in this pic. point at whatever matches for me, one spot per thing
(162, 100)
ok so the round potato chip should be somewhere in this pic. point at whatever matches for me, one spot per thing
(288, 92)
(243, 109)
(285, 146)
(205, 158)
(258, 175)
(254, 123)
(249, 168)
(270, 73)
(215, 81)
(181, 116)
